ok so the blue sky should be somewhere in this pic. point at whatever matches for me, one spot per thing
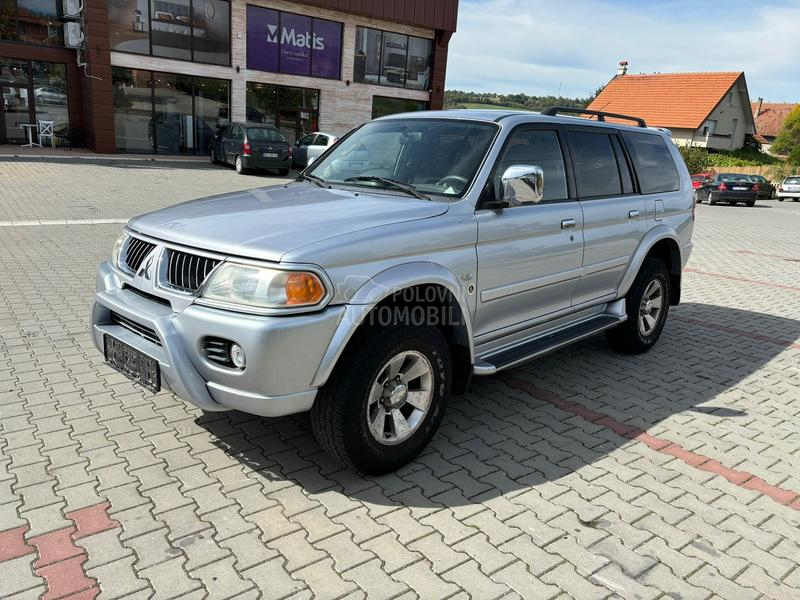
(537, 46)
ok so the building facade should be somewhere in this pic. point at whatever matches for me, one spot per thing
(159, 76)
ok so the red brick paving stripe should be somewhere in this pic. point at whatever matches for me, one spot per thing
(12, 543)
(65, 578)
(742, 279)
(740, 332)
(766, 255)
(743, 479)
(54, 546)
(92, 519)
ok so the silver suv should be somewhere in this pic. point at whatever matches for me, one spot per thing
(420, 250)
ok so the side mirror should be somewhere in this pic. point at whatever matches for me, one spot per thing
(523, 184)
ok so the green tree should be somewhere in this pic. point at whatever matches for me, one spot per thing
(696, 158)
(788, 140)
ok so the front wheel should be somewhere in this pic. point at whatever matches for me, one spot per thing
(647, 305)
(385, 399)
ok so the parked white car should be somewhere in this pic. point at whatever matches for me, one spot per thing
(311, 146)
(789, 189)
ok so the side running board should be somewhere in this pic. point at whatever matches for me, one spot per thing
(506, 358)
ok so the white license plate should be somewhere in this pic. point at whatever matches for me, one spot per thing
(739, 188)
(270, 155)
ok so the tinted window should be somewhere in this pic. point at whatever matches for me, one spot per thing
(306, 140)
(322, 140)
(595, 164)
(263, 134)
(653, 161)
(624, 168)
(536, 148)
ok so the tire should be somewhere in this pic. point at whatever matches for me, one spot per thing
(711, 200)
(214, 160)
(343, 410)
(631, 337)
(283, 172)
(780, 199)
(239, 166)
(751, 203)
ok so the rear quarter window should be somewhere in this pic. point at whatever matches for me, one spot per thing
(653, 162)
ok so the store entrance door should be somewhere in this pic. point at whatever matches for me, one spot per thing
(294, 123)
(16, 108)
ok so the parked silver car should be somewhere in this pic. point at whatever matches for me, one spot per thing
(421, 250)
(311, 146)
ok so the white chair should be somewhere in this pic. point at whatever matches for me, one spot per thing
(46, 131)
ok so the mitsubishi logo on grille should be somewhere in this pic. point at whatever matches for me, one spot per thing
(144, 272)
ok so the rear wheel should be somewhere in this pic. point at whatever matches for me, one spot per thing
(385, 399)
(647, 305)
(283, 172)
(751, 203)
(239, 166)
(711, 200)
(214, 160)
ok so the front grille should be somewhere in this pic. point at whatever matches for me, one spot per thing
(218, 351)
(137, 328)
(147, 295)
(187, 272)
(136, 252)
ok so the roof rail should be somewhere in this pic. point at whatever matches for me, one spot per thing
(601, 115)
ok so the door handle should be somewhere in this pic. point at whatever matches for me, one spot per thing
(567, 223)
(633, 214)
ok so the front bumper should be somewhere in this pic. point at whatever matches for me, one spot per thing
(283, 353)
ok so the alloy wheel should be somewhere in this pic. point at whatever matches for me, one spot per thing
(400, 397)
(651, 307)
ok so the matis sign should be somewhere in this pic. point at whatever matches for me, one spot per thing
(282, 42)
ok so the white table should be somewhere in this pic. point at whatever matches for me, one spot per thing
(29, 128)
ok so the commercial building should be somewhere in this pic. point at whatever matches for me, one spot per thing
(161, 75)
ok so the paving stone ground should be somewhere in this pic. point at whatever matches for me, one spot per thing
(585, 474)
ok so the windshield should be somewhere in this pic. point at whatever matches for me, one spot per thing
(792, 180)
(264, 134)
(435, 156)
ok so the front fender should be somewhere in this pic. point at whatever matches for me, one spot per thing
(652, 237)
(380, 287)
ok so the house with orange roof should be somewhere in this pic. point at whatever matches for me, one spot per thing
(769, 117)
(711, 110)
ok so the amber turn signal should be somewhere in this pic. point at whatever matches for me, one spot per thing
(303, 289)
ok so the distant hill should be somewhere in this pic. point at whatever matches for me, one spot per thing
(459, 99)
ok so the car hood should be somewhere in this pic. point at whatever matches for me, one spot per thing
(266, 223)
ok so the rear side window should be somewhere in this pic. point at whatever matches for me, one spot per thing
(653, 161)
(595, 164)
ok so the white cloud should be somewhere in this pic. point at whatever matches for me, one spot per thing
(533, 46)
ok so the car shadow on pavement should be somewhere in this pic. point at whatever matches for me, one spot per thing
(499, 439)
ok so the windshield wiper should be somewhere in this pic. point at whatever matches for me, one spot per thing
(398, 185)
(314, 179)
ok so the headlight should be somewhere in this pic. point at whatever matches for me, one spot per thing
(117, 248)
(264, 288)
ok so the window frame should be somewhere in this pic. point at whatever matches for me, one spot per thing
(191, 39)
(610, 132)
(408, 37)
(561, 133)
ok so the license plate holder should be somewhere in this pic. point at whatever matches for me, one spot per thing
(270, 155)
(135, 365)
(739, 188)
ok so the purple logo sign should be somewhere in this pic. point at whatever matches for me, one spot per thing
(282, 42)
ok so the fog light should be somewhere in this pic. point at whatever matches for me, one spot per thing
(237, 356)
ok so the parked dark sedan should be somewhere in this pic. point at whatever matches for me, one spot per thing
(728, 187)
(252, 146)
(765, 188)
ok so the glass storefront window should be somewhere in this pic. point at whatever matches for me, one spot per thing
(295, 111)
(34, 21)
(129, 26)
(382, 106)
(394, 59)
(166, 112)
(198, 30)
(31, 91)
(211, 34)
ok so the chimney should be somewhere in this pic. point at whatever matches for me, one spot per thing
(622, 68)
(758, 108)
